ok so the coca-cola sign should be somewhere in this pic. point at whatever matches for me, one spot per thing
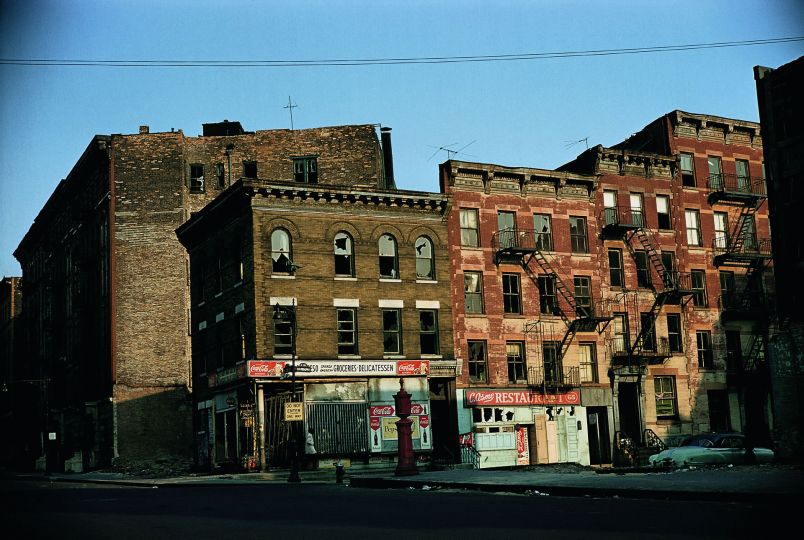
(424, 420)
(381, 410)
(416, 409)
(413, 367)
(265, 368)
(374, 423)
(522, 397)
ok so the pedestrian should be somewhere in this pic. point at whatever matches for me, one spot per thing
(309, 449)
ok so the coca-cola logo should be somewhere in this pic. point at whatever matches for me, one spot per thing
(382, 410)
(412, 368)
(424, 421)
(374, 423)
(263, 369)
(416, 409)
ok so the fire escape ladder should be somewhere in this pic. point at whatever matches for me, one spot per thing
(741, 229)
(756, 353)
(561, 288)
(749, 295)
(648, 245)
(648, 325)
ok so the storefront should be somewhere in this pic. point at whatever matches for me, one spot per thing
(348, 404)
(520, 427)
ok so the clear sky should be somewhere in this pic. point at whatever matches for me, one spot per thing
(518, 113)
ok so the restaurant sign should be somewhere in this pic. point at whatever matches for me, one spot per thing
(474, 398)
(339, 368)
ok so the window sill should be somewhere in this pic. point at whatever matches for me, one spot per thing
(390, 280)
(349, 357)
(282, 276)
(514, 316)
(432, 356)
(344, 278)
(472, 248)
(284, 356)
(475, 315)
(393, 357)
(238, 284)
(426, 280)
(584, 255)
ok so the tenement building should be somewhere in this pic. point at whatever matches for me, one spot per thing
(11, 395)
(105, 297)
(614, 304)
(316, 286)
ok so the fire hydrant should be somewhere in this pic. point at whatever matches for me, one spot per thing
(339, 471)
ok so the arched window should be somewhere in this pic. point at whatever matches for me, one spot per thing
(425, 269)
(280, 251)
(344, 258)
(388, 260)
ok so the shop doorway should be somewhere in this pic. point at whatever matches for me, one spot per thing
(597, 422)
(444, 421)
(628, 408)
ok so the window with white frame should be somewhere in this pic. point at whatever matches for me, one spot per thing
(664, 389)
(392, 331)
(428, 332)
(347, 331)
(693, 222)
(663, 211)
(389, 264)
(721, 229)
(280, 252)
(344, 258)
(473, 291)
(543, 230)
(588, 362)
(425, 267)
(469, 229)
(637, 214)
(687, 169)
(515, 353)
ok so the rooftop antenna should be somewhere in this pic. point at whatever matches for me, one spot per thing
(450, 153)
(290, 106)
(570, 144)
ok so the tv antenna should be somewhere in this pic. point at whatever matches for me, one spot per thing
(290, 106)
(450, 152)
(570, 144)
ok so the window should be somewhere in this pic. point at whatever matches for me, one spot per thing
(687, 169)
(283, 331)
(305, 169)
(477, 361)
(506, 227)
(388, 260)
(250, 169)
(428, 331)
(583, 296)
(547, 295)
(704, 342)
(727, 298)
(425, 268)
(347, 331)
(469, 234)
(515, 351)
(663, 211)
(392, 331)
(552, 364)
(543, 230)
(665, 390)
(473, 291)
(620, 330)
(616, 278)
(669, 264)
(344, 260)
(721, 230)
(674, 332)
(649, 337)
(610, 207)
(734, 350)
(220, 173)
(280, 252)
(642, 270)
(196, 178)
(693, 222)
(715, 176)
(578, 238)
(637, 215)
(512, 300)
(743, 177)
(698, 278)
(588, 358)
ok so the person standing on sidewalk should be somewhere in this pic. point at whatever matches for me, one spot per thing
(309, 449)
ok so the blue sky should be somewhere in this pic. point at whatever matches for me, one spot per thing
(524, 113)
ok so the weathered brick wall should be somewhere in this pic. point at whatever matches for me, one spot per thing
(150, 284)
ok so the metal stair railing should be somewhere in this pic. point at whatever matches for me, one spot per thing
(470, 454)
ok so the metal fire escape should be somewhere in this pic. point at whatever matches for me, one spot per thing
(673, 287)
(524, 247)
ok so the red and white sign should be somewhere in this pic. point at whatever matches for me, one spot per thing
(374, 423)
(424, 420)
(521, 397)
(522, 448)
(416, 409)
(413, 367)
(265, 368)
(381, 410)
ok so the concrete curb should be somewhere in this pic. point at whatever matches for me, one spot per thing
(574, 491)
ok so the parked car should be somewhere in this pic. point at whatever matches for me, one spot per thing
(710, 449)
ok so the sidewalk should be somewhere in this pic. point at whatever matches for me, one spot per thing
(765, 483)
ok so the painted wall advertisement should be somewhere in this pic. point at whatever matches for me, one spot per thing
(339, 368)
(522, 447)
(382, 424)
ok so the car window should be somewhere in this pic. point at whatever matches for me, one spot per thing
(705, 443)
(731, 442)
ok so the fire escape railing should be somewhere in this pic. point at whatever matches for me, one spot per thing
(554, 377)
(736, 184)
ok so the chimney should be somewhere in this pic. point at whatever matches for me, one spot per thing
(387, 158)
(144, 130)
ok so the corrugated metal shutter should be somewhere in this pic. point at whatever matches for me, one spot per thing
(339, 428)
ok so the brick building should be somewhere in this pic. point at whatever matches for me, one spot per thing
(782, 116)
(617, 299)
(10, 308)
(315, 280)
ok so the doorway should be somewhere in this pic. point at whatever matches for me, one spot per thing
(597, 422)
(628, 408)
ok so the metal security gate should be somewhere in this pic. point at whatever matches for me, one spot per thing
(339, 428)
(278, 433)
